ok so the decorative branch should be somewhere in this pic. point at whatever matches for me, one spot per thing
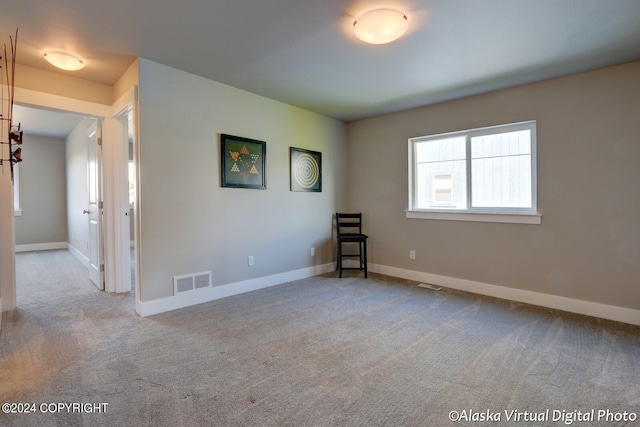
(14, 134)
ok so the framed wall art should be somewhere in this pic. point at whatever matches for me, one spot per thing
(306, 170)
(243, 162)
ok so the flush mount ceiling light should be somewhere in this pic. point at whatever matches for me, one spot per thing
(380, 26)
(64, 61)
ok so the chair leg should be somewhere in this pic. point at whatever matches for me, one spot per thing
(365, 258)
(339, 261)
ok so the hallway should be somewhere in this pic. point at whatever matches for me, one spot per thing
(44, 276)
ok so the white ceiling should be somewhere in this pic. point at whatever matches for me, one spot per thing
(44, 122)
(303, 52)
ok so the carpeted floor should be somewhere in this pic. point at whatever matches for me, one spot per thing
(317, 352)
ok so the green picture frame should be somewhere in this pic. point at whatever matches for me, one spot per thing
(243, 162)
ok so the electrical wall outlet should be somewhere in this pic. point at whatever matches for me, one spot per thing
(251, 261)
(313, 251)
(412, 254)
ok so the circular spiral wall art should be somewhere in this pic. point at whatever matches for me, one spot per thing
(306, 170)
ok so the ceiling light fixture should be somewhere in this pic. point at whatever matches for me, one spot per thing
(380, 26)
(64, 61)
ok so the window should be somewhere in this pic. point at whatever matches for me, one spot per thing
(16, 190)
(489, 173)
(132, 183)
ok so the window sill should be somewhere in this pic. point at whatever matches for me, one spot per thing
(509, 218)
(17, 213)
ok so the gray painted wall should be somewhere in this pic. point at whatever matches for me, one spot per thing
(189, 223)
(588, 245)
(77, 187)
(43, 198)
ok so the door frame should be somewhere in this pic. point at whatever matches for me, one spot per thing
(117, 227)
(115, 171)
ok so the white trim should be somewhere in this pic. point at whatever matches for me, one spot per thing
(80, 256)
(186, 299)
(135, 124)
(512, 218)
(41, 99)
(42, 246)
(619, 314)
(125, 101)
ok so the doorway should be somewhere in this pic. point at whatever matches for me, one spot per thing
(75, 190)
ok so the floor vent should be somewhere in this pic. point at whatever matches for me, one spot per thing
(190, 282)
(430, 286)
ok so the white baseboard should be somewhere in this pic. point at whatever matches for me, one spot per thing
(619, 314)
(199, 296)
(81, 257)
(41, 246)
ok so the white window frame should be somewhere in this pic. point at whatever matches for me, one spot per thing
(506, 215)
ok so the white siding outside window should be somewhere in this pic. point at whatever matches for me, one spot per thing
(439, 157)
(501, 170)
(443, 189)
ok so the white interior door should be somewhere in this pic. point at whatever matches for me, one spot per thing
(117, 239)
(94, 210)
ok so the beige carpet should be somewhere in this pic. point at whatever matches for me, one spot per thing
(316, 352)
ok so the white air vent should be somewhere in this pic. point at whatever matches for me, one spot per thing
(429, 286)
(190, 282)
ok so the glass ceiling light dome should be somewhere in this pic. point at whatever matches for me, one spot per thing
(380, 26)
(64, 61)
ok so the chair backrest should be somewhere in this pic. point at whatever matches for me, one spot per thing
(348, 223)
